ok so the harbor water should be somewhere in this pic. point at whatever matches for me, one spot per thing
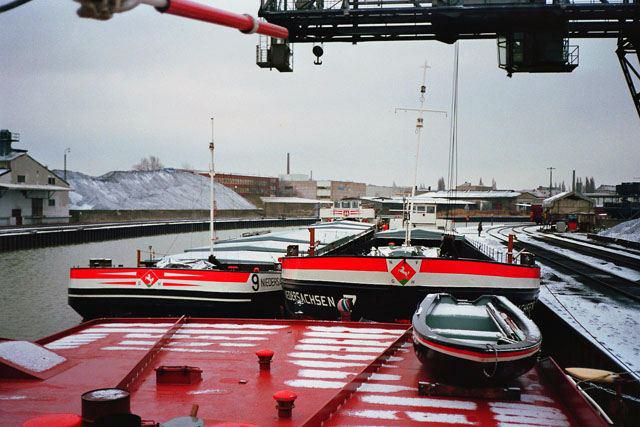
(34, 282)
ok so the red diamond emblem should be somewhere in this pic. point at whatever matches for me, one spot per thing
(149, 278)
(403, 272)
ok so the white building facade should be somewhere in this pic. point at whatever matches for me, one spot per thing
(29, 192)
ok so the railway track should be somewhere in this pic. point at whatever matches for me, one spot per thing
(581, 271)
(601, 253)
(603, 245)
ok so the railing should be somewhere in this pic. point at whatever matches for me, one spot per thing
(311, 5)
(495, 253)
(571, 53)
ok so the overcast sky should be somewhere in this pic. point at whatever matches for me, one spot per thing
(146, 84)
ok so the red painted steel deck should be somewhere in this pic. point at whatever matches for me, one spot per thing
(322, 362)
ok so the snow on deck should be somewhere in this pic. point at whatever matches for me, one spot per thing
(234, 389)
(267, 248)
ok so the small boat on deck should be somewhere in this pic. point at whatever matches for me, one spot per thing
(486, 341)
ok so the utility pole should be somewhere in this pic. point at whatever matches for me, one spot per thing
(66, 151)
(212, 235)
(551, 168)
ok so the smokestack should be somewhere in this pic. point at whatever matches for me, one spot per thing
(288, 164)
(311, 175)
(573, 181)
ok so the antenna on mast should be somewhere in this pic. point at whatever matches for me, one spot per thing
(212, 231)
(419, 127)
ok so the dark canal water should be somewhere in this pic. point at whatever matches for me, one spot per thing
(33, 283)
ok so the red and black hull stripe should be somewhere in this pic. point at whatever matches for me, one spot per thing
(379, 303)
(96, 303)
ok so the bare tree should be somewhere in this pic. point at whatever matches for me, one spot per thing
(151, 163)
(441, 186)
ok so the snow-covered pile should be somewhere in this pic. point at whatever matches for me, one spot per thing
(629, 230)
(165, 189)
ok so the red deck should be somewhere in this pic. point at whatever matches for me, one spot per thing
(322, 362)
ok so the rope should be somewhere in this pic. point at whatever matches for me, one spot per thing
(620, 361)
(12, 5)
(495, 363)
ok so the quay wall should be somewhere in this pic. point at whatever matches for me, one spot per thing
(96, 216)
(31, 238)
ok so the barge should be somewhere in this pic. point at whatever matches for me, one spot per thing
(238, 278)
(260, 372)
(389, 285)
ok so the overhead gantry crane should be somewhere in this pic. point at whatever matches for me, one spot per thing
(532, 35)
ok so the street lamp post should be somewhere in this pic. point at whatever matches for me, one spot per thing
(66, 151)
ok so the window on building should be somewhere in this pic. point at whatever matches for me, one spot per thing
(52, 181)
(52, 202)
(21, 178)
(431, 209)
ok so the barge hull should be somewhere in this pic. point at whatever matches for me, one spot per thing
(319, 300)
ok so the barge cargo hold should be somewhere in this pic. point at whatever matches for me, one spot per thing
(333, 373)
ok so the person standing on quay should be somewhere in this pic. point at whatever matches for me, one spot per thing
(480, 229)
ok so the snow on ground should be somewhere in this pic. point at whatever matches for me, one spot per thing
(614, 324)
(629, 230)
(608, 249)
(583, 237)
(166, 189)
(594, 262)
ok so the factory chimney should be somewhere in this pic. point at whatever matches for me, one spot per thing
(288, 164)
(573, 181)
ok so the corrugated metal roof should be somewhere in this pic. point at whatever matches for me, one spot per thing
(44, 187)
(493, 194)
(549, 201)
(12, 155)
(399, 200)
(300, 200)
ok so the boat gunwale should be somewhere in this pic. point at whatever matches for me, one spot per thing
(527, 346)
(285, 258)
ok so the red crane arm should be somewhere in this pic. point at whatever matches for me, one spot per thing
(103, 10)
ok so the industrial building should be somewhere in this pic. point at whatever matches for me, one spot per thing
(567, 203)
(491, 201)
(275, 207)
(248, 185)
(29, 192)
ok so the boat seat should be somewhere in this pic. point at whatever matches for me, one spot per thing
(593, 375)
(468, 334)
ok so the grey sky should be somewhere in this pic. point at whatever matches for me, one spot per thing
(144, 83)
